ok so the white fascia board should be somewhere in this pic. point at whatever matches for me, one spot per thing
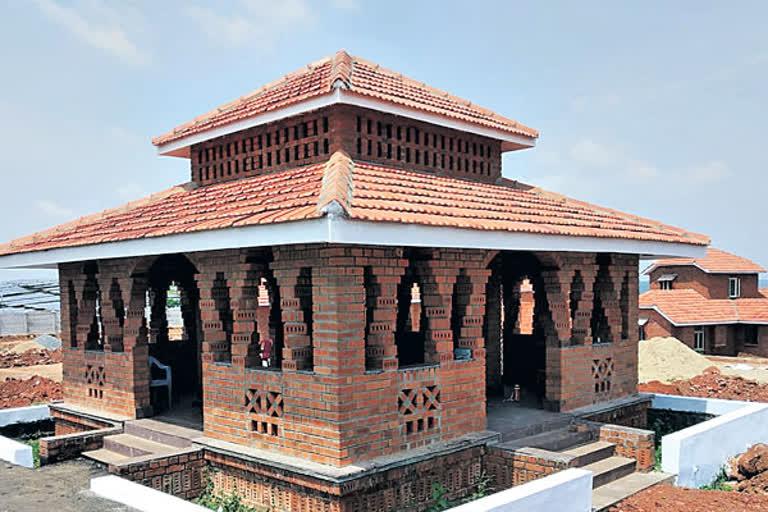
(285, 233)
(347, 231)
(695, 324)
(337, 229)
(339, 96)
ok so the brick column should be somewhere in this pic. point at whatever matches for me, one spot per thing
(297, 352)
(471, 296)
(134, 290)
(380, 348)
(215, 306)
(493, 333)
(582, 315)
(437, 278)
(244, 300)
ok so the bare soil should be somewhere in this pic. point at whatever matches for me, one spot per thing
(31, 357)
(20, 393)
(666, 498)
(712, 384)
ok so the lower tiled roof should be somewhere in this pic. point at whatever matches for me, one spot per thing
(716, 261)
(689, 307)
(363, 191)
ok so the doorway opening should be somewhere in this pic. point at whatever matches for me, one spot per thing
(172, 307)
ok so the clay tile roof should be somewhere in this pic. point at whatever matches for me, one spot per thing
(689, 307)
(716, 261)
(357, 76)
(363, 191)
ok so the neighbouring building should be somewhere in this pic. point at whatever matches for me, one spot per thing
(713, 304)
(347, 257)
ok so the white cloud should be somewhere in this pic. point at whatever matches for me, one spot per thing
(96, 24)
(256, 22)
(588, 152)
(53, 209)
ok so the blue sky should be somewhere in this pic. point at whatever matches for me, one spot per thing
(655, 108)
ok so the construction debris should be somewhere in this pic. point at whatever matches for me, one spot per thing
(712, 384)
(20, 393)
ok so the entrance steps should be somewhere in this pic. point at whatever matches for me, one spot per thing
(144, 440)
(614, 477)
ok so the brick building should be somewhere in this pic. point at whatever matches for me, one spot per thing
(712, 304)
(358, 220)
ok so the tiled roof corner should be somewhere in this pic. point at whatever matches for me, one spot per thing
(689, 307)
(337, 183)
(341, 70)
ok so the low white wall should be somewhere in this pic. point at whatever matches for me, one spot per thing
(16, 452)
(564, 491)
(139, 497)
(24, 414)
(697, 454)
(714, 406)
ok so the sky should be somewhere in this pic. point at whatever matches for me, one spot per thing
(655, 108)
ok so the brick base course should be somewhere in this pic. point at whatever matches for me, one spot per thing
(181, 475)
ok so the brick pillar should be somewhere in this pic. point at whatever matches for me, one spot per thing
(471, 296)
(582, 313)
(110, 299)
(380, 348)
(216, 272)
(297, 350)
(244, 298)
(135, 332)
(438, 277)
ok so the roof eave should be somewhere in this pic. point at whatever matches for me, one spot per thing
(342, 230)
(509, 141)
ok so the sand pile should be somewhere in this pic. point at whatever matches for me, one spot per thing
(669, 359)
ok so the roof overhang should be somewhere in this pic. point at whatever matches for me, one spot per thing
(696, 324)
(339, 96)
(342, 230)
(654, 266)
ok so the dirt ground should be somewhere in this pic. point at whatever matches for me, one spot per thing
(62, 487)
(20, 393)
(666, 498)
(712, 384)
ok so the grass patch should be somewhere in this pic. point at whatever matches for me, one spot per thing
(35, 444)
(718, 484)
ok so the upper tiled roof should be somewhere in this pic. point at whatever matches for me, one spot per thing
(358, 76)
(716, 261)
(362, 191)
(689, 307)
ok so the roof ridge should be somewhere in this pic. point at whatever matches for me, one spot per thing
(341, 70)
(337, 183)
(458, 99)
(245, 98)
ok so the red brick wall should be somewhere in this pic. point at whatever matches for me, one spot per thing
(364, 134)
(633, 443)
(181, 474)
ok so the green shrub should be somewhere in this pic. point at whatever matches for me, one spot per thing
(225, 503)
(718, 484)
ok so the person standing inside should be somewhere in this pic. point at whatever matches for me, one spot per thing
(266, 352)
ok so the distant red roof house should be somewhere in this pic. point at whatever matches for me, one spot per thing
(712, 303)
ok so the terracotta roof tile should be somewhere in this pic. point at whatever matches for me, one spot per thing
(686, 306)
(358, 76)
(716, 261)
(365, 192)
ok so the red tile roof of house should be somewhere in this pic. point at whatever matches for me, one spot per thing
(358, 76)
(365, 192)
(689, 307)
(716, 261)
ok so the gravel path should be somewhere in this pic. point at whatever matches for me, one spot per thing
(62, 487)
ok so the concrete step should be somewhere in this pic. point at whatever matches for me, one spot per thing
(610, 469)
(554, 440)
(133, 446)
(510, 431)
(160, 432)
(591, 452)
(105, 456)
(610, 494)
